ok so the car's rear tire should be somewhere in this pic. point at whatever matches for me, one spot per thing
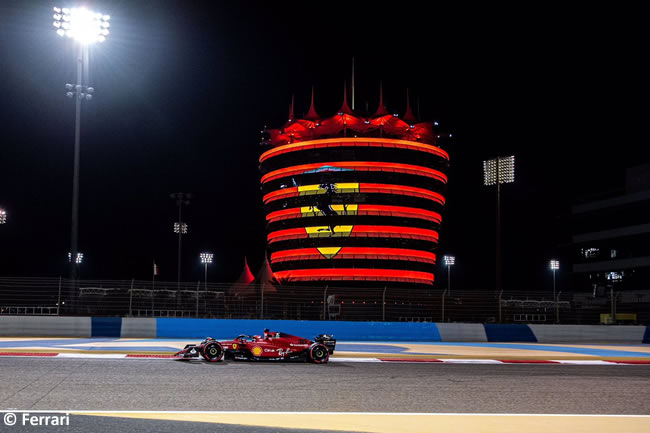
(212, 352)
(318, 353)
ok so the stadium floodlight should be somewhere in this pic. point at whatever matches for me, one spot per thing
(84, 28)
(449, 262)
(205, 259)
(497, 171)
(180, 228)
(78, 260)
(555, 266)
(3, 216)
(81, 24)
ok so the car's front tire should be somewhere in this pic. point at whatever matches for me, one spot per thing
(318, 353)
(212, 352)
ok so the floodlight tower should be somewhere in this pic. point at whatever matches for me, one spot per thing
(555, 265)
(85, 28)
(449, 262)
(205, 259)
(180, 228)
(3, 216)
(495, 172)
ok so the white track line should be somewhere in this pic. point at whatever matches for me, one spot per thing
(337, 359)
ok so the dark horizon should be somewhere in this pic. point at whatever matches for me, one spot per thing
(182, 93)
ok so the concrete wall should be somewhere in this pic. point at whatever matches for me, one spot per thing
(469, 332)
(138, 328)
(585, 333)
(54, 326)
(45, 326)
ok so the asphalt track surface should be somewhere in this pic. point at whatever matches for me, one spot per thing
(34, 384)
(160, 385)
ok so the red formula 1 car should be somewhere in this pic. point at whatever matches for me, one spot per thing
(272, 346)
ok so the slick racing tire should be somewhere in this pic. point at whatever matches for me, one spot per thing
(212, 352)
(318, 353)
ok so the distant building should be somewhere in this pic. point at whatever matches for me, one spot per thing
(610, 238)
(353, 199)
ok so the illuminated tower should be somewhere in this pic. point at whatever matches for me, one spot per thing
(352, 200)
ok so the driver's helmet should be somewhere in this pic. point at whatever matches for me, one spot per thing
(267, 333)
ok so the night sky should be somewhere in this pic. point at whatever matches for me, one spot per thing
(183, 90)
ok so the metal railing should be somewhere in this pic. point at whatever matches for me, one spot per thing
(136, 298)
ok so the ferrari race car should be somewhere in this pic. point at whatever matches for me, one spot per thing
(272, 346)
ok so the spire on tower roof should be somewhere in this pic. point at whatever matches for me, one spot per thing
(381, 109)
(345, 108)
(292, 115)
(312, 114)
(409, 117)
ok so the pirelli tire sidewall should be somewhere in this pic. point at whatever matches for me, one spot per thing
(318, 353)
(213, 352)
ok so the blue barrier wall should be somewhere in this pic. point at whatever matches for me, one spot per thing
(509, 333)
(106, 327)
(54, 326)
(351, 331)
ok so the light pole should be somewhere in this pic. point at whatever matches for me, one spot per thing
(555, 265)
(205, 259)
(85, 28)
(495, 172)
(180, 227)
(449, 262)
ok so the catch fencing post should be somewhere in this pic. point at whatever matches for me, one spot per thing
(262, 301)
(58, 304)
(557, 308)
(443, 305)
(325, 303)
(131, 299)
(198, 284)
(383, 306)
(500, 293)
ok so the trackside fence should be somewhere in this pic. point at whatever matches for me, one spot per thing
(136, 298)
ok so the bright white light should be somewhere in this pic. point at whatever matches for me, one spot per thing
(3, 216)
(501, 170)
(182, 228)
(60, 32)
(79, 260)
(83, 25)
(57, 10)
(106, 17)
(449, 260)
(57, 16)
(555, 265)
(206, 257)
(56, 24)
